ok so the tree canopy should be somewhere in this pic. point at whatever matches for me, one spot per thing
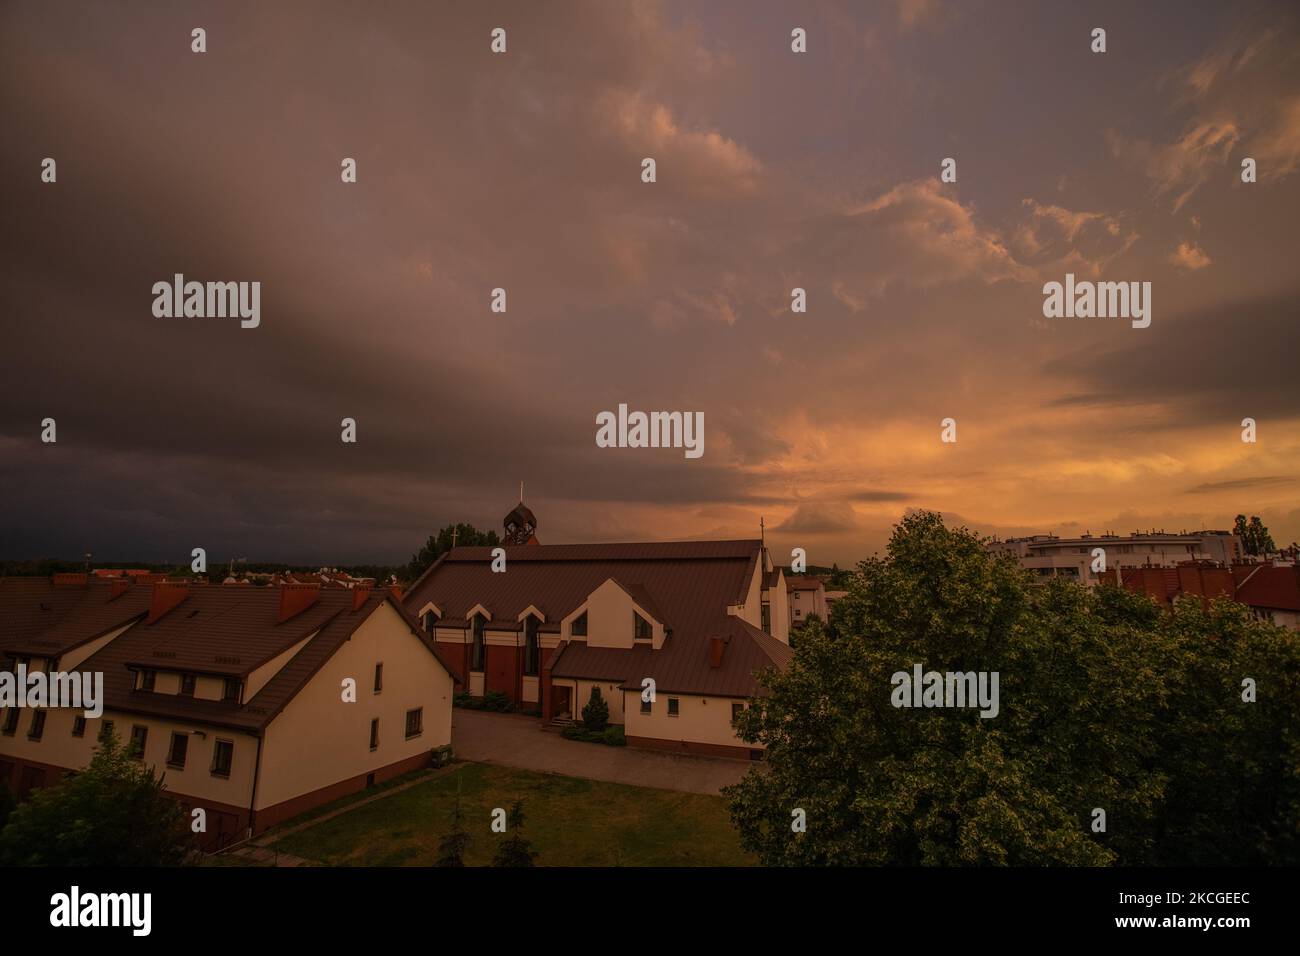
(466, 535)
(1255, 539)
(113, 813)
(1107, 702)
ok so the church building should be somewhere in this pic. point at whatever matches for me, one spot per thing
(674, 634)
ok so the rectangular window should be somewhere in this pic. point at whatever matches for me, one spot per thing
(38, 725)
(414, 722)
(11, 721)
(179, 748)
(736, 711)
(673, 703)
(79, 726)
(430, 619)
(379, 677)
(640, 627)
(148, 679)
(139, 737)
(767, 618)
(374, 734)
(479, 650)
(223, 756)
(579, 626)
(105, 729)
(230, 690)
(646, 706)
(187, 685)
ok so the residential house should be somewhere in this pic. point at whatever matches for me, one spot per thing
(255, 704)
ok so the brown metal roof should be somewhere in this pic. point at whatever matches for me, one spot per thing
(690, 584)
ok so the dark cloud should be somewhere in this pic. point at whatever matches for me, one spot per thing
(477, 171)
(1241, 484)
(1223, 363)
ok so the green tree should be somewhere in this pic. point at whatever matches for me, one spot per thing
(1105, 701)
(453, 846)
(113, 813)
(1255, 539)
(6, 804)
(514, 849)
(595, 716)
(466, 535)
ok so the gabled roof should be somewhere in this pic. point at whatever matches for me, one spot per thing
(641, 595)
(41, 618)
(227, 631)
(688, 585)
(687, 582)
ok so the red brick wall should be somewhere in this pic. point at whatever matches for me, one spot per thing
(501, 672)
(457, 655)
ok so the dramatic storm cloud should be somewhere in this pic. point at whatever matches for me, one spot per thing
(522, 171)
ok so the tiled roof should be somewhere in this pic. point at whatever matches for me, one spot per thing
(214, 630)
(690, 585)
(1271, 587)
(796, 583)
(33, 609)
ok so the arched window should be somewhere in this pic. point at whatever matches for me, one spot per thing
(477, 653)
(532, 650)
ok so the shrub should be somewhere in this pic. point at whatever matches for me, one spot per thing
(113, 813)
(595, 716)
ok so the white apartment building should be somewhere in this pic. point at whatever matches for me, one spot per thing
(1049, 556)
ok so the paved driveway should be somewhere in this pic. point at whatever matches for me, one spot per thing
(515, 741)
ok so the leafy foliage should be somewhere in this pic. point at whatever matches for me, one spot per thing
(1106, 700)
(439, 544)
(113, 813)
(1255, 539)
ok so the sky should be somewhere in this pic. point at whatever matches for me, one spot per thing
(523, 171)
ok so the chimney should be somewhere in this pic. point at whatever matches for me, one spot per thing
(716, 647)
(118, 587)
(360, 595)
(166, 595)
(296, 598)
(397, 590)
(73, 580)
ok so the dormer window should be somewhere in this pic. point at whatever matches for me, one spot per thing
(641, 630)
(147, 680)
(230, 690)
(579, 626)
(430, 619)
(187, 685)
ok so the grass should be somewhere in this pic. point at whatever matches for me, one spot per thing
(570, 821)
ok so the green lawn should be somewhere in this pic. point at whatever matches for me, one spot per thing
(571, 822)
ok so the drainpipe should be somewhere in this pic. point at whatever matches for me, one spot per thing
(257, 774)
